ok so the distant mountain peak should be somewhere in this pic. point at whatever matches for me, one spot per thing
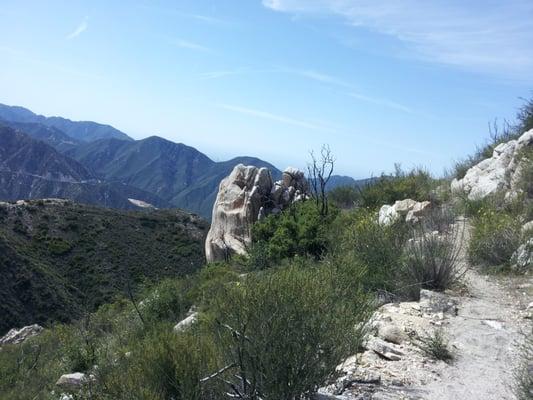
(85, 131)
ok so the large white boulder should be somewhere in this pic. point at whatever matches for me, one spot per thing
(499, 173)
(246, 195)
(15, 336)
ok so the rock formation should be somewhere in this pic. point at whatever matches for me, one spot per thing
(15, 336)
(245, 196)
(501, 172)
(409, 209)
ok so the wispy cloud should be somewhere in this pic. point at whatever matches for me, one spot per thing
(82, 27)
(185, 44)
(206, 19)
(221, 74)
(321, 77)
(381, 102)
(488, 36)
(273, 117)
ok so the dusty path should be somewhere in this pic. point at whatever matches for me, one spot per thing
(485, 336)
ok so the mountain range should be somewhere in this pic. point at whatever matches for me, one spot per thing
(98, 164)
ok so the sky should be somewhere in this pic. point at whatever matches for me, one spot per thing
(414, 82)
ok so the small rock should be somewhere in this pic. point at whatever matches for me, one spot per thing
(187, 322)
(493, 324)
(382, 349)
(392, 334)
(434, 303)
(72, 381)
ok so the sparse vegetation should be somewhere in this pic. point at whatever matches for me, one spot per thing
(495, 236)
(436, 346)
(432, 256)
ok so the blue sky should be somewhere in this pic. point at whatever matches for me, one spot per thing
(407, 81)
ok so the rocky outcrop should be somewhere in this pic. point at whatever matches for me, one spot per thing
(499, 173)
(409, 209)
(391, 361)
(245, 196)
(522, 258)
(15, 336)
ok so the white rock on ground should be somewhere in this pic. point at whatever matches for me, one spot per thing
(500, 172)
(409, 209)
(247, 194)
(15, 336)
(72, 382)
(186, 323)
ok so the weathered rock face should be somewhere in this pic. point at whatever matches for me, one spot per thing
(15, 336)
(499, 173)
(245, 196)
(409, 209)
(522, 258)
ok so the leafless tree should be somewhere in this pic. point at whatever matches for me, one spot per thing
(319, 173)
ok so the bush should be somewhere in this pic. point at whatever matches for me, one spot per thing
(29, 370)
(523, 386)
(164, 365)
(416, 184)
(432, 258)
(361, 239)
(284, 331)
(298, 230)
(344, 197)
(435, 346)
(494, 238)
(167, 301)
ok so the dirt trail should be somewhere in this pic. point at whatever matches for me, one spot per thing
(485, 336)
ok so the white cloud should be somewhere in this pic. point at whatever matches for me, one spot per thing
(484, 35)
(185, 44)
(82, 27)
(382, 102)
(273, 117)
(321, 77)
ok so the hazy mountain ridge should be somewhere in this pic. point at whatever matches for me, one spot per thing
(81, 130)
(31, 169)
(154, 169)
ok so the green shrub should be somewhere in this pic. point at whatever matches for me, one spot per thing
(344, 197)
(525, 177)
(523, 379)
(432, 255)
(168, 301)
(435, 346)
(163, 365)
(284, 331)
(298, 230)
(495, 236)
(58, 246)
(29, 370)
(361, 239)
(416, 184)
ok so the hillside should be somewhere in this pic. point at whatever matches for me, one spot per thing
(49, 135)
(85, 131)
(59, 259)
(31, 169)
